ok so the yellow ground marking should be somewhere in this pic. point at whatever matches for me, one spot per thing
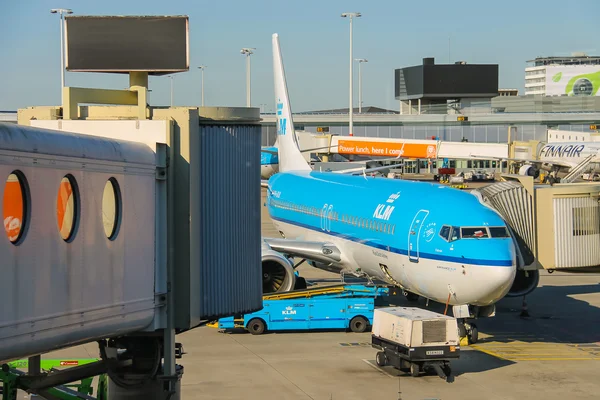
(536, 350)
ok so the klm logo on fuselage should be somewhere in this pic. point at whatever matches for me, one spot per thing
(383, 212)
(393, 197)
(565, 150)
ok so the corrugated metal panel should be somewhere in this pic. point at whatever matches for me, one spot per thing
(230, 259)
(576, 232)
(515, 205)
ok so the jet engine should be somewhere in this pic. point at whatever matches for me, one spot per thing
(525, 282)
(277, 271)
(529, 170)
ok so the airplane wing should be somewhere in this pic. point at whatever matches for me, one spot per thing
(322, 252)
(275, 152)
(563, 164)
(362, 170)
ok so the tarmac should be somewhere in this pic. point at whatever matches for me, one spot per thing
(552, 354)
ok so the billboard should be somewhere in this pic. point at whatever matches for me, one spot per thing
(575, 80)
(390, 149)
(460, 80)
(446, 81)
(154, 44)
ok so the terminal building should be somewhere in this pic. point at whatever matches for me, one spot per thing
(463, 102)
(578, 75)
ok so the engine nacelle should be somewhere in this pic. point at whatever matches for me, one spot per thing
(325, 267)
(277, 270)
(529, 170)
(525, 283)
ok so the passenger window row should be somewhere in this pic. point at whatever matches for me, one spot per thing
(17, 201)
(365, 223)
(369, 223)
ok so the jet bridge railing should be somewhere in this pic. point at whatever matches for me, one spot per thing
(516, 205)
(577, 171)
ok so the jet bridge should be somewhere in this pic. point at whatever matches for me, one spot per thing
(556, 227)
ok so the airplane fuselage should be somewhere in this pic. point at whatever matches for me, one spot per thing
(426, 238)
(571, 153)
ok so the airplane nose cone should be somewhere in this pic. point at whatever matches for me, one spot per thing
(497, 280)
(499, 285)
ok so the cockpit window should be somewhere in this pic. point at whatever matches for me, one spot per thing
(445, 232)
(450, 233)
(474, 233)
(455, 233)
(499, 232)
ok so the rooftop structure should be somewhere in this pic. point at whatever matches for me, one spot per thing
(577, 75)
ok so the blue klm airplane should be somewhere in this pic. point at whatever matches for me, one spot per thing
(269, 161)
(428, 239)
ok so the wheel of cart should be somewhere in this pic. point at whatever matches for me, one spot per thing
(359, 324)
(415, 369)
(256, 326)
(381, 359)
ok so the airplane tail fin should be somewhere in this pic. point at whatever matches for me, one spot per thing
(290, 157)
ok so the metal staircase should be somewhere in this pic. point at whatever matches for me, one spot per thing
(578, 170)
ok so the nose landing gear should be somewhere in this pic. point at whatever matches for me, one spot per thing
(468, 330)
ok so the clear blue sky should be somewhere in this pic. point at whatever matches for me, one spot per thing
(314, 40)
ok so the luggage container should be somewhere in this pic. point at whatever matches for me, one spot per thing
(415, 340)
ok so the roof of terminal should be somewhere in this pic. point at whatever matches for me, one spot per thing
(566, 60)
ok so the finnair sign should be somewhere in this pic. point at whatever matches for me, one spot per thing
(562, 150)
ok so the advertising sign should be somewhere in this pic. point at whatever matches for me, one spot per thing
(578, 80)
(389, 149)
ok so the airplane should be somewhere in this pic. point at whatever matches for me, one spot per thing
(430, 240)
(558, 158)
(269, 161)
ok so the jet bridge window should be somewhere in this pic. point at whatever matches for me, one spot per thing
(474, 233)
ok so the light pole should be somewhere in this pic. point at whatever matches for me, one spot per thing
(351, 15)
(360, 61)
(247, 51)
(171, 90)
(202, 69)
(62, 11)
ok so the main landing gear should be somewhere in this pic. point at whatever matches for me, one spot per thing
(467, 330)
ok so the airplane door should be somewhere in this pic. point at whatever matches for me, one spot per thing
(414, 234)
